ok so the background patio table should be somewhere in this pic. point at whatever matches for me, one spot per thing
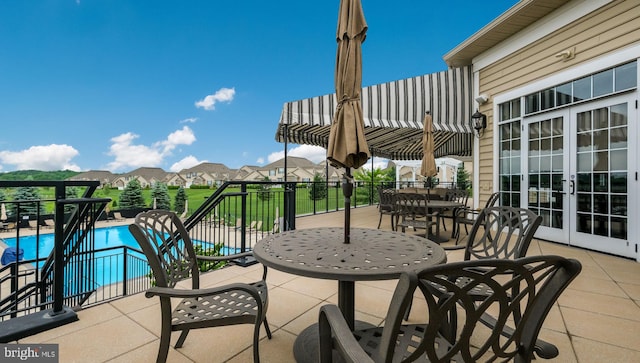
(321, 253)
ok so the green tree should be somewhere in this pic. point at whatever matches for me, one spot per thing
(70, 193)
(462, 178)
(389, 177)
(160, 193)
(28, 208)
(131, 197)
(365, 177)
(318, 188)
(180, 200)
(263, 190)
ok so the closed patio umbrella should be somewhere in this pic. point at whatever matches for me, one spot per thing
(3, 212)
(348, 146)
(428, 167)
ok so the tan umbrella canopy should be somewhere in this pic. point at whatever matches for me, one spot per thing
(428, 168)
(348, 146)
(3, 212)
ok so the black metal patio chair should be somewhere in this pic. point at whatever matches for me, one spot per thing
(454, 195)
(531, 285)
(386, 205)
(467, 217)
(172, 258)
(411, 211)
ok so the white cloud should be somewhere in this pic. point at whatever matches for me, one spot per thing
(221, 95)
(178, 137)
(260, 161)
(42, 157)
(188, 162)
(313, 153)
(378, 163)
(129, 155)
(190, 120)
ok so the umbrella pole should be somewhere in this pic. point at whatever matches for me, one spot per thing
(347, 190)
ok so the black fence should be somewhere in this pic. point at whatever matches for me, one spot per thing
(74, 272)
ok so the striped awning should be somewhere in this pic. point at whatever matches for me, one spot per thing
(393, 116)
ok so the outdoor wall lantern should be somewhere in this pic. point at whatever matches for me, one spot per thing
(479, 122)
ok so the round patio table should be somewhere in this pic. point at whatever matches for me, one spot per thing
(321, 253)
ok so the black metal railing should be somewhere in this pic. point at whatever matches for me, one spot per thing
(75, 273)
(32, 295)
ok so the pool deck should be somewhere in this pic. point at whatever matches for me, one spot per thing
(597, 319)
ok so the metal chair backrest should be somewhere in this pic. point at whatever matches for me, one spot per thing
(493, 199)
(411, 205)
(531, 285)
(501, 232)
(167, 246)
(457, 195)
(386, 197)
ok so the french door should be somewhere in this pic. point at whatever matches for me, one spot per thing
(580, 174)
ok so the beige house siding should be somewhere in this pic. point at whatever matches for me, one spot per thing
(612, 27)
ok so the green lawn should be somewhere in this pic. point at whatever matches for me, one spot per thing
(256, 208)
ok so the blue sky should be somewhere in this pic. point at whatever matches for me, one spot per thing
(119, 84)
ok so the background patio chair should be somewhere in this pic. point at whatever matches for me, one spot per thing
(386, 206)
(255, 226)
(172, 258)
(118, 217)
(50, 223)
(411, 212)
(466, 216)
(454, 195)
(533, 284)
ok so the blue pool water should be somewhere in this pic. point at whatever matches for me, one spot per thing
(108, 264)
(104, 238)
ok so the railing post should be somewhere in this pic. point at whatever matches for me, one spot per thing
(58, 267)
(14, 284)
(125, 277)
(243, 216)
(314, 190)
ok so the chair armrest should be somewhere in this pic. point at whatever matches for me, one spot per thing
(464, 211)
(335, 331)
(184, 293)
(223, 258)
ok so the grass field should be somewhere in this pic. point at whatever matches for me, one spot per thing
(255, 206)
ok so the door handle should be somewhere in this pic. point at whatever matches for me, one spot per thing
(561, 190)
(572, 187)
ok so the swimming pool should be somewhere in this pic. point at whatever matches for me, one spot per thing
(104, 238)
(109, 265)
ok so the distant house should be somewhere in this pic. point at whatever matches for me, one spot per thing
(245, 171)
(298, 169)
(103, 176)
(329, 172)
(206, 174)
(176, 180)
(145, 176)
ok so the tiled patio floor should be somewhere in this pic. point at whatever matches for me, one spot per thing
(596, 320)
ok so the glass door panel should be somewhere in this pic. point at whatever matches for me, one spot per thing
(601, 167)
(546, 173)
